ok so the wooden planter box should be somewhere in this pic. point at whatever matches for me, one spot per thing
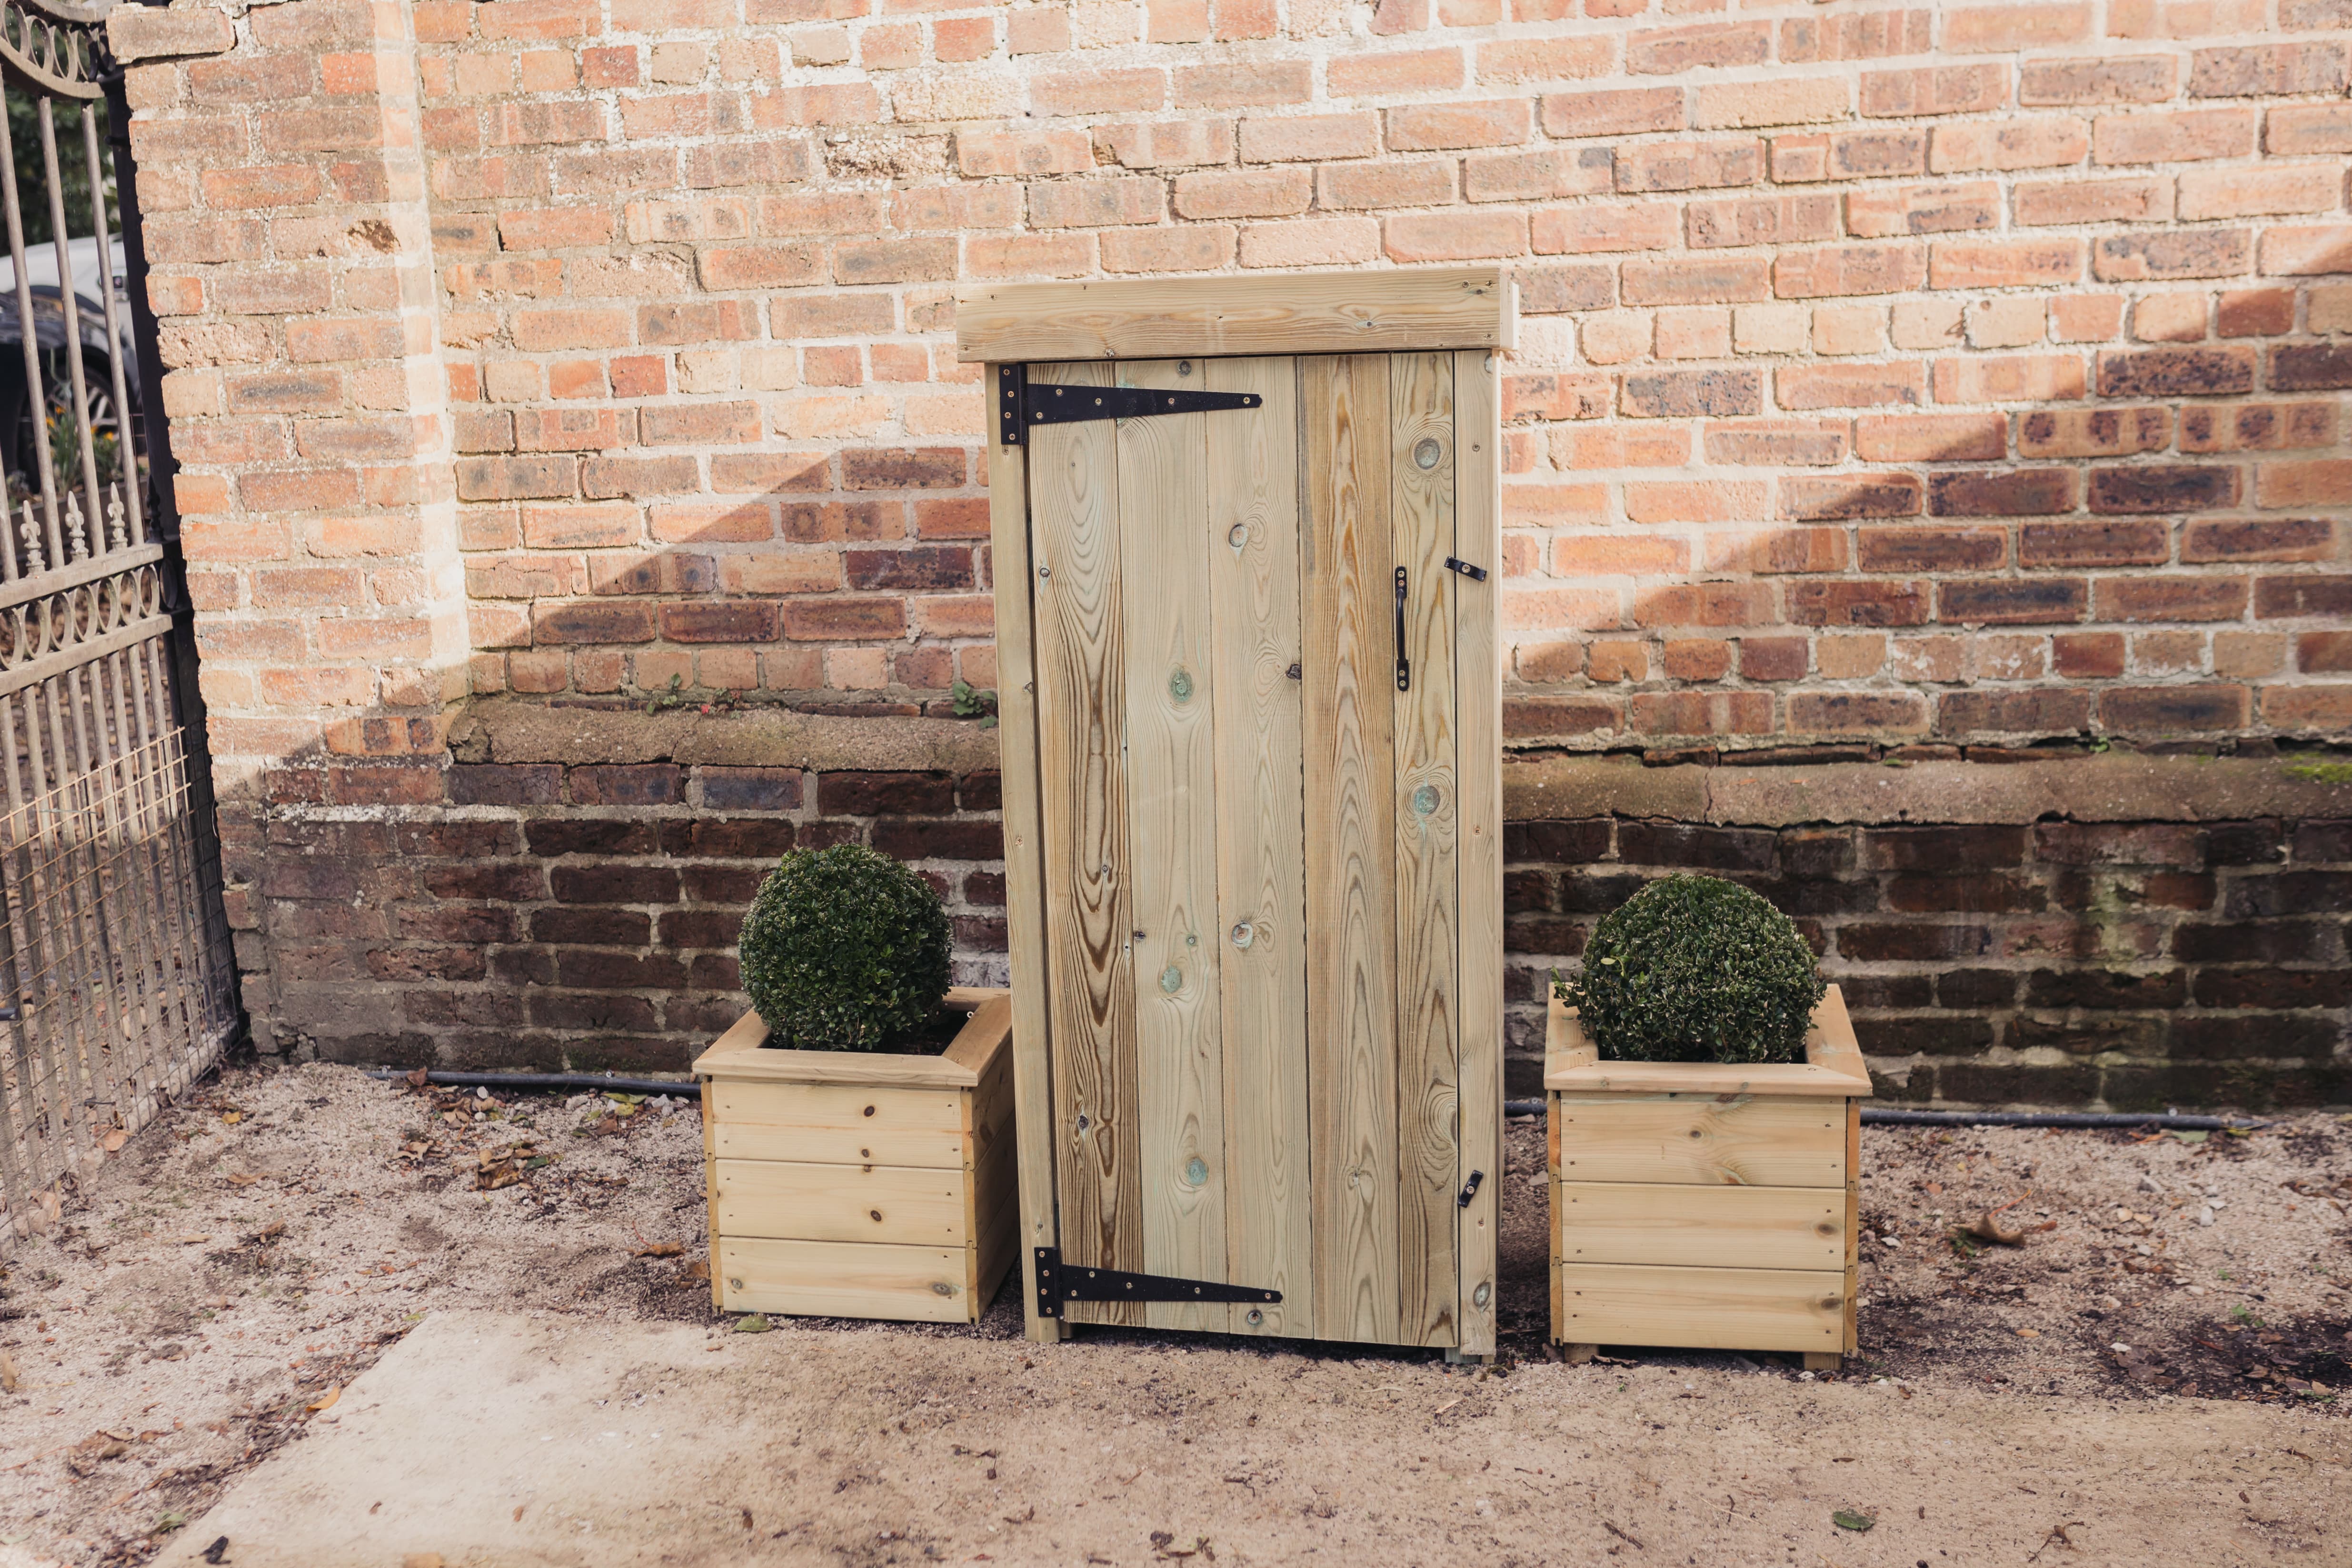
(862, 1185)
(1706, 1206)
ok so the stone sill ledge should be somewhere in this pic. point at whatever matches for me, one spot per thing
(2112, 786)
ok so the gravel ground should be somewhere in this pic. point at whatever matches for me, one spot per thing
(223, 1278)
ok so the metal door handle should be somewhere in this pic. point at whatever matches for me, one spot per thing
(1404, 665)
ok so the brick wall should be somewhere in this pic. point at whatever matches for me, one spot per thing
(1970, 372)
(1917, 382)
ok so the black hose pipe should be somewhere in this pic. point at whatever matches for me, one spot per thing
(686, 1089)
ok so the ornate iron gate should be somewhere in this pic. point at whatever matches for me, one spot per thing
(117, 985)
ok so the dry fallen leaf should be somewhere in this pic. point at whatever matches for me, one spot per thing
(334, 1392)
(10, 1373)
(113, 1142)
(660, 1249)
(232, 1116)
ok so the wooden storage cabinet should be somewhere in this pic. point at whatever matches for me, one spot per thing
(1711, 1206)
(862, 1185)
(1248, 552)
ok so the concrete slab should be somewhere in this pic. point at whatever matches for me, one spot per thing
(491, 1441)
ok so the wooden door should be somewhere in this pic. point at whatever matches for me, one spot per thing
(1251, 661)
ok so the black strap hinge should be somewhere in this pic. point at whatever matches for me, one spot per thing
(1021, 405)
(1475, 573)
(1058, 1283)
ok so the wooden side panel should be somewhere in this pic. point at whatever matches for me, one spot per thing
(1478, 685)
(845, 1280)
(1349, 711)
(1024, 870)
(843, 1202)
(996, 1223)
(1081, 699)
(1252, 532)
(1171, 805)
(838, 1124)
(1705, 1308)
(1725, 1227)
(1853, 1341)
(1768, 1143)
(1426, 809)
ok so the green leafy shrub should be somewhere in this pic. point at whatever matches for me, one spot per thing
(1696, 969)
(845, 950)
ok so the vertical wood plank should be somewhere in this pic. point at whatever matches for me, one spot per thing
(1478, 680)
(1170, 694)
(1348, 714)
(1024, 868)
(1852, 1337)
(1426, 811)
(1081, 698)
(1252, 465)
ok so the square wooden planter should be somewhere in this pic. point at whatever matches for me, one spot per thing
(1706, 1206)
(860, 1184)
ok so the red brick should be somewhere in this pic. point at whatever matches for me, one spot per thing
(2246, 193)
(1848, 155)
(2257, 427)
(1841, 269)
(1542, 59)
(1692, 501)
(2182, 598)
(1689, 165)
(1455, 237)
(1702, 712)
(2268, 68)
(2164, 487)
(1102, 200)
(1097, 92)
(1935, 90)
(1673, 50)
(2092, 201)
(982, 154)
(1620, 112)
(2130, 79)
(1930, 437)
(2001, 492)
(1881, 212)
(1267, 193)
(1438, 127)
(1761, 220)
(2092, 432)
(1818, 498)
(2176, 371)
(2044, 143)
(1599, 227)
(1847, 603)
(2048, 544)
(1247, 84)
(1547, 175)
(1695, 281)
(1692, 394)
(2165, 254)
(1200, 247)
(1916, 548)
(1854, 36)
(2088, 656)
(1308, 137)
(2295, 129)
(2004, 378)
(1999, 29)
(2174, 136)
(2321, 482)
(2010, 601)
(1804, 386)
(2259, 539)
(830, 619)
(2003, 264)
(2307, 251)
(1419, 71)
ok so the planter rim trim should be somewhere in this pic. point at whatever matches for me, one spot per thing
(1832, 1063)
(742, 1053)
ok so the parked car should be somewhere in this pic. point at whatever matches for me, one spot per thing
(99, 356)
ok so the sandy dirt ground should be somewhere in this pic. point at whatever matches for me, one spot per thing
(217, 1286)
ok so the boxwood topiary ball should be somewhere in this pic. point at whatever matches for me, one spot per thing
(845, 950)
(1696, 969)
